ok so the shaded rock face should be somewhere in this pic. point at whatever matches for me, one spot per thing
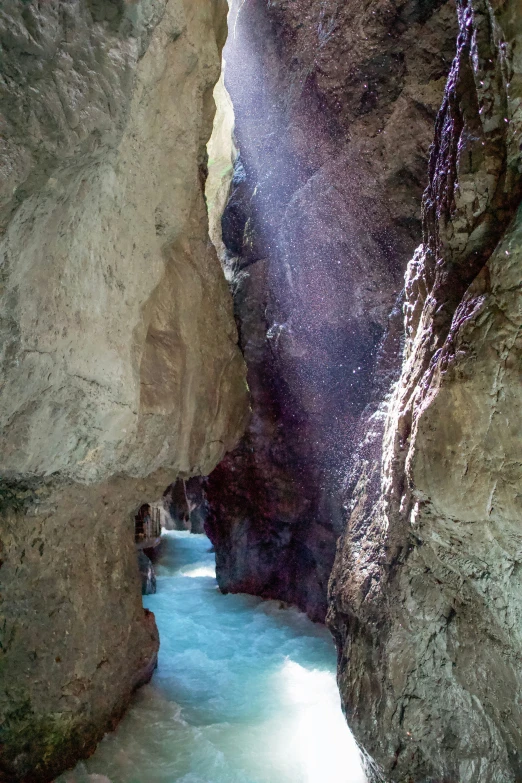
(426, 593)
(197, 503)
(118, 356)
(147, 574)
(176, 504)
(75, 639)
(335, 105)
(186, 505)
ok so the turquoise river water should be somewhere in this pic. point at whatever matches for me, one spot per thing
(244, 692)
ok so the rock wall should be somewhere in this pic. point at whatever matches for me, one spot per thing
(119, 360)
(426, 594)
(335, 104)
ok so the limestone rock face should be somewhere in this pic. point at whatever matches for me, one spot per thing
(76, 641)
(119, 363)
(118, 348)
(426, 594)
(335, 105)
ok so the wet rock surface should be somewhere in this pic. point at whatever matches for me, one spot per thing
(176, 504)
(335, 105)
(426, 589)
(118, 356)
(197, 503)
(186, 505)
(147, 574)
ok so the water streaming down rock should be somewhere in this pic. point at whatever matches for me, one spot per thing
(245, 691)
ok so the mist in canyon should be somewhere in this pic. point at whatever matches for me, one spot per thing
(260, 277)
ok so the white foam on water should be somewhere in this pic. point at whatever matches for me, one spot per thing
(201, 571)
(244, 693)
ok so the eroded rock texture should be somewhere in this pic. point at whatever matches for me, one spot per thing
(119, 354)
(427, 587)
(335, 105)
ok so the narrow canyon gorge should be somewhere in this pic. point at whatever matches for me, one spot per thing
(260, 275)
(120, 364)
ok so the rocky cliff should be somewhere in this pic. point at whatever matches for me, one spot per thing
(335, 105)
(119, 360)
(426, 591)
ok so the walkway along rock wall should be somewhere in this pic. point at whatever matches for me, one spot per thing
(426, 593)
(119, 361)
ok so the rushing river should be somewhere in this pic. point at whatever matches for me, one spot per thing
(244, 693)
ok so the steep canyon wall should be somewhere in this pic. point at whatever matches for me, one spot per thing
(426, 593)
(335, 106)
(119, 361)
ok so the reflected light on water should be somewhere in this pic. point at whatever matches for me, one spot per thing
(200, 571)
(316, 735)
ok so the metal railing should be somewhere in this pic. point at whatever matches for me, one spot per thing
(147, 527)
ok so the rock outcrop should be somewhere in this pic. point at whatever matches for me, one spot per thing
(426, 594)
(119, 360)
(335, 105)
